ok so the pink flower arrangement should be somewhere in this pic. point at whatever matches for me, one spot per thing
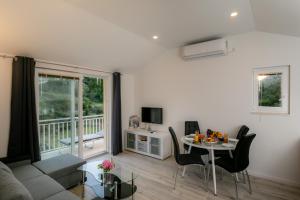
(106, 165)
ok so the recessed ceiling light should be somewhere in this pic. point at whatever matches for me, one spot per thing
(234, 14)
(155, 37)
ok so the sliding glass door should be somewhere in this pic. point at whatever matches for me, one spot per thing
(71, 115)
(58, 114)
(93, 117)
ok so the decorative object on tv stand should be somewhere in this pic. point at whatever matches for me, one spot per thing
(134, 121)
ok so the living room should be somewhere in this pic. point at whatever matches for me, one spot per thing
(162, 93)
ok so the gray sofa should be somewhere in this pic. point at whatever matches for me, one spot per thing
(23, 181)
(62, 169)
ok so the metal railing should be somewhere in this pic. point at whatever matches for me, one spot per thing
(52, 131)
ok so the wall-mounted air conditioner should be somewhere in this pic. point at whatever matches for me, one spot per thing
(204, 49)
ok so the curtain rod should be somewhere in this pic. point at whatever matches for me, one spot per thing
(58, 64)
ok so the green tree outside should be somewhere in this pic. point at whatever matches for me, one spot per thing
(55, 97)
(270, 91)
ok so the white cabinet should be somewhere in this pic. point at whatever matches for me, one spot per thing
(157, 144)
(130, 140)
(142, 143)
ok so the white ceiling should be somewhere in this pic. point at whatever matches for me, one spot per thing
(57, 31)
(117, 34)
(174, 21)
(277, 16)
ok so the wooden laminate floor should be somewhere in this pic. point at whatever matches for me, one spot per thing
(155, 181)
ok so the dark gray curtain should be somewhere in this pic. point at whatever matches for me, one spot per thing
(116, 129)
(23, 138)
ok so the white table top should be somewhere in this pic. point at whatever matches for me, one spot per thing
(203, 145)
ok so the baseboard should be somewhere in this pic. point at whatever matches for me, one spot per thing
(274, 179)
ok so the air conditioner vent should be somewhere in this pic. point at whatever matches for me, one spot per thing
(204, 49)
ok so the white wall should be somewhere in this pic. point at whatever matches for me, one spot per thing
(217, 92)
(5, 94)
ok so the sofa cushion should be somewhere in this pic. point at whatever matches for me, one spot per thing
(65, 195)
(19, 163)
(11, 188)
(70, 180)
(5, 167)
(42, 187)
(26, 172)
(60, 165)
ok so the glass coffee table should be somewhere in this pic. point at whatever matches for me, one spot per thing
(116, 184)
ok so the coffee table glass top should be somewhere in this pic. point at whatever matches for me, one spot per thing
(116, 184)
(125, 175)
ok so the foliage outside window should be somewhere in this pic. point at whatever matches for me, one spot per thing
(92, 96)
(271, 90)
(55, 96)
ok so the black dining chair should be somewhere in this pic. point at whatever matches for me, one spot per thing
(242, 132)
(239, 162)
(190, 128)
(184, 159)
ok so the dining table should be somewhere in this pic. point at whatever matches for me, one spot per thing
(211, 147)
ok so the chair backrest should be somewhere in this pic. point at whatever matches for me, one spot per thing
(191, 127)
(243, 131)
(241, 152)
(176, 145)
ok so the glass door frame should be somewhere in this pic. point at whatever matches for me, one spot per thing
(80, 74)
(58, 73)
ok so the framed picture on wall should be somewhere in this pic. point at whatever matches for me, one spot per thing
(271, 88)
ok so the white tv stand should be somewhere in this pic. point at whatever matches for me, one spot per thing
(156, 144)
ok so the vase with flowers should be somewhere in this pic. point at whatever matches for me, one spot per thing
(106, 166)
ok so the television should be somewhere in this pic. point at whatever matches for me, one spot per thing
(152, 115)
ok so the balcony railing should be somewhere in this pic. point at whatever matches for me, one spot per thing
(52, 131)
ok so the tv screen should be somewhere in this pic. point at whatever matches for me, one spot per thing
(152, 115)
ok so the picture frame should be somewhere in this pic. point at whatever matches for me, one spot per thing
(271, 90)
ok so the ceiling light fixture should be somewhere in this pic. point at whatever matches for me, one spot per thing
(234, 14)
(155, 37)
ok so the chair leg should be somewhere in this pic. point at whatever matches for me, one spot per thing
(237, 177)
(222, 174)
(183, 171)
(236, 186)
(207, 180)
(250, 188)
(244, 178)
(201, 166)
(204, 172)
(174, 187)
